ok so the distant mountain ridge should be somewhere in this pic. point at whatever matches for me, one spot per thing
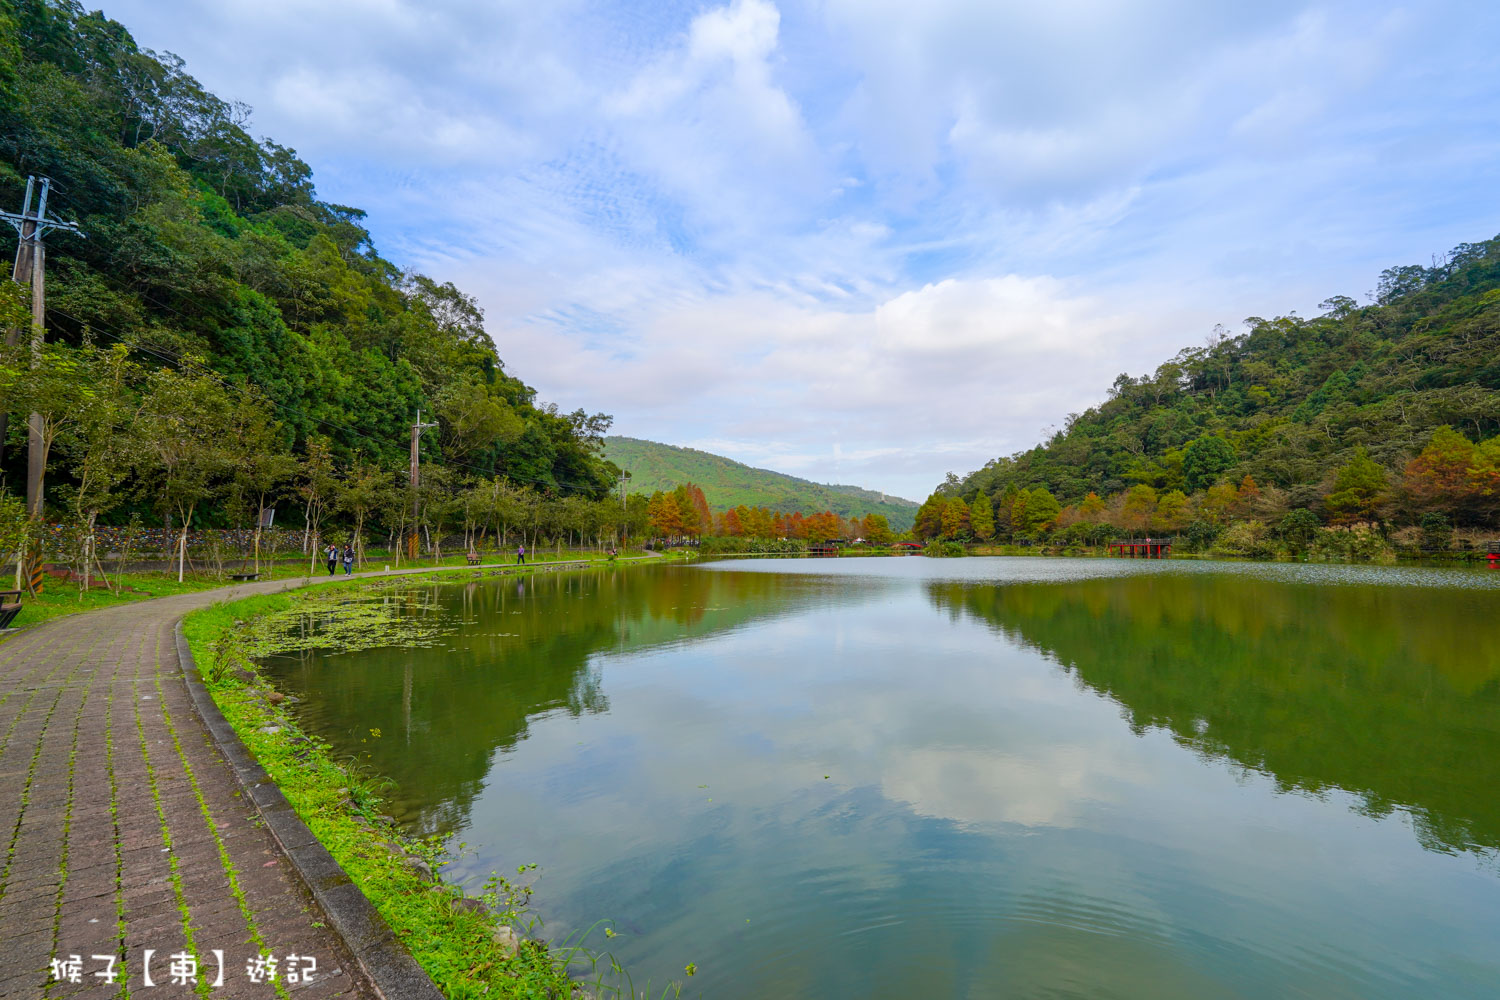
(727, 483)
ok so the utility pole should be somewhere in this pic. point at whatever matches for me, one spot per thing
(416, 480)
(31, 262)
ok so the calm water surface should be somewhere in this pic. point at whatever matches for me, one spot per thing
(967, 778)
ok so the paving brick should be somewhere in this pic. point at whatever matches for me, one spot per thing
(69, 689)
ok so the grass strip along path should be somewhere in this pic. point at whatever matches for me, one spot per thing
(124, 831)
(61, 597)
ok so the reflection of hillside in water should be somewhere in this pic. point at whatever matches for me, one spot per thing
(524, 649)
(1392, 693)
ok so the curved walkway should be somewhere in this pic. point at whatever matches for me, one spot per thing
(125, 830)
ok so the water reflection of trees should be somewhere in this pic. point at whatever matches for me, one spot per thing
(527, 648)
(1392, 693)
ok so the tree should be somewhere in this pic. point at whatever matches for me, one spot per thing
(98, 445)
(439, 498)
(1218, 501)
(182, 425)
(1358, 490)
(52, 383)
(262, 468)
(822, 527)
(364, 489)
(1484, 478)
(1299, 528)
(1437, 531)
(1140, 504)
(1092, 508)
(1246, 496)
(1439, 477)
(929, 520)
(982, 518)
(1171, 512)
(664, 516)
(1204, 459)
(694, 517)
(876, 529)
(1041, 511)
(955, 519)
(317, 488)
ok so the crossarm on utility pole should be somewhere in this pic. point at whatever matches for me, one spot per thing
(31, 262)
(416, 481)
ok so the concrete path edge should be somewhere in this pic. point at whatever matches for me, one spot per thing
(381, 957)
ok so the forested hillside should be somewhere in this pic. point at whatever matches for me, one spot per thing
(1385, 414)
(217, 294)
(728, 483)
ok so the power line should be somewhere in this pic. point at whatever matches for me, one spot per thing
(203, 370)
(31, 263)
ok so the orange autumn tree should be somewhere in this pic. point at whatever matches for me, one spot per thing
(692, 508)
(1438, 479)
(663, 516)
(876, 530)
(822, 527)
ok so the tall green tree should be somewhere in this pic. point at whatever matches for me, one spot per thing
(982, 518)
(1358, 490)
(182, 462)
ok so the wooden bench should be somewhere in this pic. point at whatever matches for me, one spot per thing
(10, 606)
(473, 558)
(243, 576)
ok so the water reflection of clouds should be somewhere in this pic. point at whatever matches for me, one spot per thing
(975, 788)
(991, 737)
(980, 802)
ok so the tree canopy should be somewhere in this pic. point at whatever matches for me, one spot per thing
(1376, 413)
(210, 251)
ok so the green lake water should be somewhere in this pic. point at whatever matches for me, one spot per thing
(901, 778)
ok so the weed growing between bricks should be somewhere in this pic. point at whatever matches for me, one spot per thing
(231, 872)
(114, 819)
(462, 947)
(201, 986)
(67, 825)
(15, 834)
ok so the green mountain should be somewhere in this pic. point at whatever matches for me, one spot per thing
(209, 247)
(1410, 380)
(727, 483)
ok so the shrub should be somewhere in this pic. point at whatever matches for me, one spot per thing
(1249, 539)
(1299, 528)
(1437, 531)
(943, 550)
(1201, 535)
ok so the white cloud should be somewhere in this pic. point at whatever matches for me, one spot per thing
(872, 240)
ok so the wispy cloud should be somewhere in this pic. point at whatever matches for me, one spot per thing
(870, 240)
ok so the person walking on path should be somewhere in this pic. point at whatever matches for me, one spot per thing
(333, 558)
(349, 559)
(521, 554)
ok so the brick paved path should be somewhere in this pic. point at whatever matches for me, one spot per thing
(123, 828)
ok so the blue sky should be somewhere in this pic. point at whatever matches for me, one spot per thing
(870, 241)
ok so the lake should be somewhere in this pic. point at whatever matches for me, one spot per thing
(900, 778)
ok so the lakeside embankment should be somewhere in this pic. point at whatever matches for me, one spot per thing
(471, 947)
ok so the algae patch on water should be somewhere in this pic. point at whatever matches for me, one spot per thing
(349, 624)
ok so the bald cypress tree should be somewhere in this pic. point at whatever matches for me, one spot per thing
(982, 518)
